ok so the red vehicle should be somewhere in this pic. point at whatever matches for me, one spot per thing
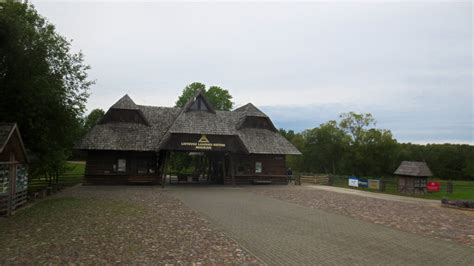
(433, 186)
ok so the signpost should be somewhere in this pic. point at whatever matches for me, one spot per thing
(374, 184)
(363, 183)
(353, 181)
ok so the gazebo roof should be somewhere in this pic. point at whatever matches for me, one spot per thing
(410, 168)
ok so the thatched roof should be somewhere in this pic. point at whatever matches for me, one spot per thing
(131, 136)
(409, 168)
(125, 103)
(165, 121)
(250, 110)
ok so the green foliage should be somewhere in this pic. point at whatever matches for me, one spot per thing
(93, 118)
(219, 98)
(325, 145)
(355, 146)
(189, 92)
(44, 85)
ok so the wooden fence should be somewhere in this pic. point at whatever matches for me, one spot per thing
(305, 178)
(8, 203)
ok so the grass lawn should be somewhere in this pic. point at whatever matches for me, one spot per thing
(74, 175)
(462, 189)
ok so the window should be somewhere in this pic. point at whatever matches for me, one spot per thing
(258, 167)
(121, 165)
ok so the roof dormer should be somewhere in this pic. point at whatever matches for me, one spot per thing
(124, 111)
(199, 103)
(252, 117)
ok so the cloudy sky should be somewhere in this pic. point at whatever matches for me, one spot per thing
(410, 64)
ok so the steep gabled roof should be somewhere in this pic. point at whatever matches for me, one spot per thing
(199, 96)
(7, 130)
(219, 123)
(250, 110)
(410, 168)
(131, 136)
(164, 121)
(264, 141)
(125, 103)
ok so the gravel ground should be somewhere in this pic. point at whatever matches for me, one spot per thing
(418, 218)
(115, 225)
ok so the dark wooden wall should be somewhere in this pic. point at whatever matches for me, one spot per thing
(122, 115)
(257, 122)
(273, 169)
(100, 167)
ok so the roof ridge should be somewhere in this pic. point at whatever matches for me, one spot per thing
(125, 103)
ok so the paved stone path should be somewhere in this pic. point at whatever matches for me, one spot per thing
(375, 195)
(283, 233)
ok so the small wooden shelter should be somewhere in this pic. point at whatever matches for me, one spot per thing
(413, 177)
(13, 169)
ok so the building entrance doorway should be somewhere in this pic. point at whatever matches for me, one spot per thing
(184, 167)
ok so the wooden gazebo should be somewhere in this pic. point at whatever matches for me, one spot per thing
(13, 169)
(413, 177)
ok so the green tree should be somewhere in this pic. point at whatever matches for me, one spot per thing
(43, 85)
(325, 147)
(219, 98)
(188, 92)
(93, 118)
(371, 151)
(355, 124)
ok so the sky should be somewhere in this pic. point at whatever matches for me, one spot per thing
(410, 64)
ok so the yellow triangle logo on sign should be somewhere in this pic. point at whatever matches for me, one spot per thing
(203, 139)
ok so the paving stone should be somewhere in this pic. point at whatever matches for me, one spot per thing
(116, 225)
(411, 215)
(283, 233)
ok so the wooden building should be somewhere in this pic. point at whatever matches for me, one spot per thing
(413, 177)
(13, 169)
(132, 143)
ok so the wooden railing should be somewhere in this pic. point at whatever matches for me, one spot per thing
(9, 203)
(305, 178)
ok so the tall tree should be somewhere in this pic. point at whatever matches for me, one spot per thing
(219, 98)
(188, 92)
(326, 146)
(93, 118)
(43, 84)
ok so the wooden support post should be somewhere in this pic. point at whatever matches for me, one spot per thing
(231, 159)
(165, 166)
(209, 162)
(223, 168)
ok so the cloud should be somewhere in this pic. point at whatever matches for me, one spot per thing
(408, 63)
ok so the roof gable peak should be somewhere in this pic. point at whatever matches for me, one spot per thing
(199, 102)
(125, 103)
(250, 110)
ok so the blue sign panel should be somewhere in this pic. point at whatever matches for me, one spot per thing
(363, 183)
